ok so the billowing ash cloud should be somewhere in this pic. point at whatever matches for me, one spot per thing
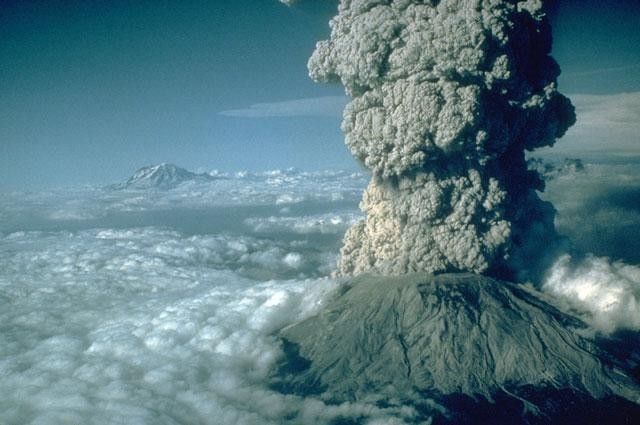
(446, 97)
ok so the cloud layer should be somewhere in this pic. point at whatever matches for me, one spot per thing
(204, 205)
(316, 106)
(606, 124)
(160, 321)
(599, 213)
(147, 326)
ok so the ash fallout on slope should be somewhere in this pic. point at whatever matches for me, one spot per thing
(446, 97)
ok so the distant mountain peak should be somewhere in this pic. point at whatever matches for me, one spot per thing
(162, 176)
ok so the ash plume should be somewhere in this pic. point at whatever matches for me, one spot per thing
(446, 97)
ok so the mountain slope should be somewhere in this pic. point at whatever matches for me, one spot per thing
(452, 338)
(162, 176)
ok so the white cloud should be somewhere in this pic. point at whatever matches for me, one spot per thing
(607, 124)
(146, 326)
(609, 293)
(331, 223)
(598, 211)
(315, 106)
(277, 188)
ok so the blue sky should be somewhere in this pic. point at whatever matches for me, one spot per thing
(92, 90)
(597, 44)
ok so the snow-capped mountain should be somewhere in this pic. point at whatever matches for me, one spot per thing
(162, 176)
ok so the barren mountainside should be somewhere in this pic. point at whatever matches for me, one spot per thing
(455, 337)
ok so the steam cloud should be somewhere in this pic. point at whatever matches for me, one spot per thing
(446, 97)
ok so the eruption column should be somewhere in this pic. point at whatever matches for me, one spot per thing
(446, 96)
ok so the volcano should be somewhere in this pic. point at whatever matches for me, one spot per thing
(460, 348)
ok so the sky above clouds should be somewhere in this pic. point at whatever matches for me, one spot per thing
(93, 90)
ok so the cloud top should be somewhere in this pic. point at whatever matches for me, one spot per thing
(148, 326)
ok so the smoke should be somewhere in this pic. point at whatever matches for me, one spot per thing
(446, 97)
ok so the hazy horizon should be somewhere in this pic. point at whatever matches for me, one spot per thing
(95, 90)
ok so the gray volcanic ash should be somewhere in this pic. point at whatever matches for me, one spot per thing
(446, 98)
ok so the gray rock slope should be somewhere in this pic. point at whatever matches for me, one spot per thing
(447, 335)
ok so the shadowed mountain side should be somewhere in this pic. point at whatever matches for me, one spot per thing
(461, 340)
